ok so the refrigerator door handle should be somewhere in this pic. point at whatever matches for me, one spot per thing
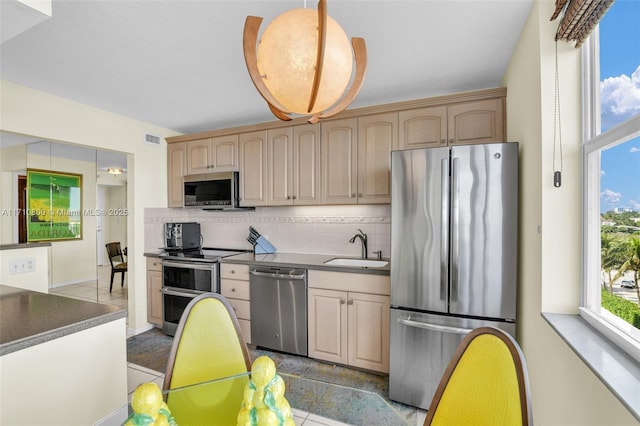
(455, 227)
(444, 237)
(434, 327)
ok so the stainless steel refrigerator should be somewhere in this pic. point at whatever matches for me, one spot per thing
(453, 257)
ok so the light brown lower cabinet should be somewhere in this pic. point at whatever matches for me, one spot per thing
(154, 291)
(349, 327)
(234, 286)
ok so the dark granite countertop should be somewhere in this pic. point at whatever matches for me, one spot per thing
(28, 318)
(13, 246)
(302, 260)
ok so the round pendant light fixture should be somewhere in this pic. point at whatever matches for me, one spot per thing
(304, 63)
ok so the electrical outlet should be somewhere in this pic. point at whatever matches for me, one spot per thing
(22, 266)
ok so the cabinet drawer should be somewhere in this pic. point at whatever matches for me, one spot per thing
(348, 281)
(245, 326)
(234, 271)
(234, 289)
(242, 308)
(154, 264)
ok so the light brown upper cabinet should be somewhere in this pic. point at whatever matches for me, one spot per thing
(356, 159)
(377, 137)
(176, 169)
(456, 124)
(293, 165)
(219, 154)
(252, 167)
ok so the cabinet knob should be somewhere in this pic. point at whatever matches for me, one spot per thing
(451, 140)
(353, 196)
(233, 290)
(288, 197)
(342, 301)
(350, 302)
(443, 141)
(359, 194)
(294, 197)
(233, 271)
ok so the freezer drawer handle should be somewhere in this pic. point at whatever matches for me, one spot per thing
(434, 327)
(286, 276)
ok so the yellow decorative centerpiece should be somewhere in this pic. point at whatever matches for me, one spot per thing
(264, 403)
(149, 407)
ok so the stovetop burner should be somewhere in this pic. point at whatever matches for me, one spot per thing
(204, 254)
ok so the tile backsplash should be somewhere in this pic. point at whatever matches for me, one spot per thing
(309, 229)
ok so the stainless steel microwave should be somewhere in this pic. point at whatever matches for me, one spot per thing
(215, 191)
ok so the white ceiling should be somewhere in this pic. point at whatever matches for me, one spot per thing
(179, 64)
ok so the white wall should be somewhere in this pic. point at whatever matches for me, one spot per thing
(565, 391)
(36, 280)
(32, 112)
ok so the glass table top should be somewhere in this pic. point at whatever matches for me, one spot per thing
(219, 401)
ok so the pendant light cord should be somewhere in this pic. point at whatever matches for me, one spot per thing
(557, 128)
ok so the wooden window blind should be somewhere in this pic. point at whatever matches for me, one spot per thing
(579, 17)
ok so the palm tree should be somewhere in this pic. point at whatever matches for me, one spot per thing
(634, 261)
(614, 254)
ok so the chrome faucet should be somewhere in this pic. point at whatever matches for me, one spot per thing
(363, 240)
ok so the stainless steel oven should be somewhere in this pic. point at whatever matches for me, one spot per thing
(185, 275)
(181, 282)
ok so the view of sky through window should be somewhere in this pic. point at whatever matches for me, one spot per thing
(620, 100)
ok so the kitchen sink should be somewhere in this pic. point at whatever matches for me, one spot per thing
(361, 263)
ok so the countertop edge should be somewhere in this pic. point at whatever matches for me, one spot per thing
(17, 246)
(243, 260)
(29, 341)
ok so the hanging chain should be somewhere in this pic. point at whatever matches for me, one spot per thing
(557, 126)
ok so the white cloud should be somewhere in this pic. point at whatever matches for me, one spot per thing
(610, 197)
(602, 173)
(620, 97)
(634, 149)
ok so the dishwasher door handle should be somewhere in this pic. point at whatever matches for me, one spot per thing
(272, 275)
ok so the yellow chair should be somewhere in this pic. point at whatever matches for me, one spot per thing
(485, 383)
(208, 345)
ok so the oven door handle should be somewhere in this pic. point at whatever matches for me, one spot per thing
(189, 265)
(170, 292)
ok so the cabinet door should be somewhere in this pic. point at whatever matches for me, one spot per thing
(279, 167)
(423, 127)
(253, 150)
(198, 156)
(224, 153)
(306, 164)
(154, 297)
(328, 325)
(339, 161)
(377, 137)
(476, 122)
(368, 330)
(176, 169)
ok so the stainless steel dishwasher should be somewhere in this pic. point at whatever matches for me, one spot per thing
(279, 308)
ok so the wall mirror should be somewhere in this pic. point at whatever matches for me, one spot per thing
(78, 268)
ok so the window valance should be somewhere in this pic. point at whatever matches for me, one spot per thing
(579, 17)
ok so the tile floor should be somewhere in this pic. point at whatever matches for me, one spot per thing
(99, 292)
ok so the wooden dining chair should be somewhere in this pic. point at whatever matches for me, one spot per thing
(485, 383)
(118, 261)
(208, 345)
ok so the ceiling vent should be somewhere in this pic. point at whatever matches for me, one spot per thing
(152, 139)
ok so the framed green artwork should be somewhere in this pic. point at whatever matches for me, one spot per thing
(54, 206)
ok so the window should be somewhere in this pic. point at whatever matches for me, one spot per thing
(611, 170)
